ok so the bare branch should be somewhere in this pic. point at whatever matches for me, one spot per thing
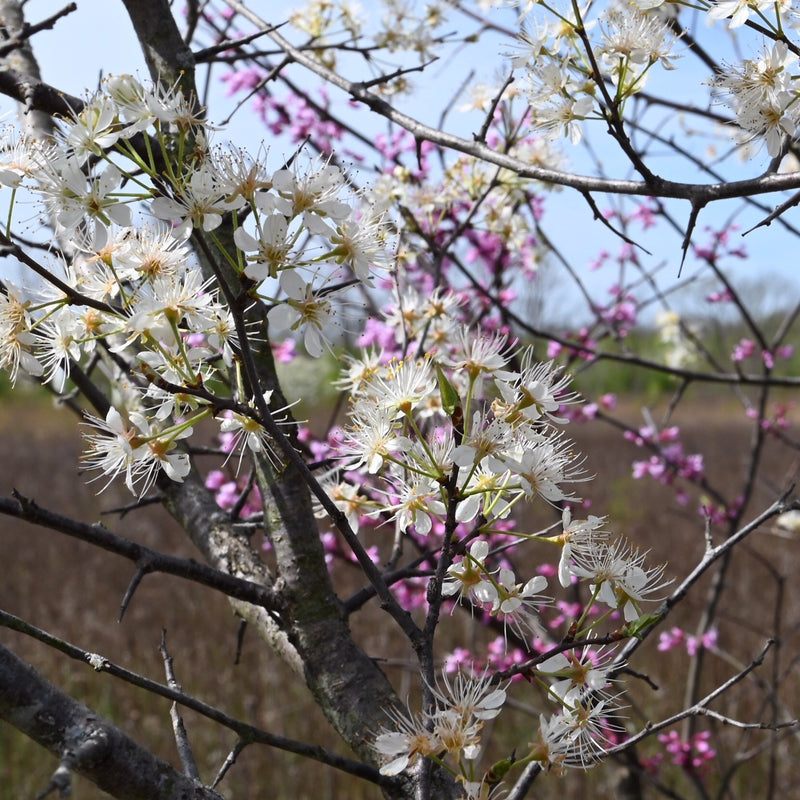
(179, 729)
(699, 708)
(85, 742)
(712, 554)
(147, 559)
(697, 193)
(23, 36)
(246, 732)
(35, 95)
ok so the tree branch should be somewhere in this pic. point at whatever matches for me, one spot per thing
(246, 732)
(697, 193)
(84, 742)
(146, 559)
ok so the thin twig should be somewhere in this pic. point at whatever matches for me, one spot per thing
(697, 193)
(22, 37)
(132, 587)
(246, 731)
(179, 729)
(699, 708)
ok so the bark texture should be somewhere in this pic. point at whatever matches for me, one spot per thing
(85, 742)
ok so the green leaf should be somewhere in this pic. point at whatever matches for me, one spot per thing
(450, 399)
(499, 770)
(639, 626)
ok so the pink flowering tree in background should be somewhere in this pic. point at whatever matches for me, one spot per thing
(174, 290)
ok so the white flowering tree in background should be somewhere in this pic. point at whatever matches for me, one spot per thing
(165, 279)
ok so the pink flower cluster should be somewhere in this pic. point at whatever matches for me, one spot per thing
(779, 419)
(721, 514)
(747, 348)
(582, 338)
(719, 245)
(620, 315)
(670, 462)
(228, 492)
(691, 755)
(723, 296)
(292, 115)
(588, 411)
(675, 637)
(644, 214)
(400, 142)
(334, 550)
(498, 658)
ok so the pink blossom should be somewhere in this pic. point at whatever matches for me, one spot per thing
(460, 659)
(780, 410)
(608, 402)
(215, 479)
(709, 638)
(243, 80)
(645, 214)
(600, 260)
(691, 755)
(411, 593)
(568, 612)
(501, 659)
(743, 350)
(669, 639)
(379, 335)
(675, 637)
(724, 296)
(284, 351)
(548, 570)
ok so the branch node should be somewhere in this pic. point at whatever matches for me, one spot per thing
(60, 781)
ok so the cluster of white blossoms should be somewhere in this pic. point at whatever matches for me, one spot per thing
(451, 731)
(393, 26)
(569, 55)
(444, 447)
(582, 61)
(679, 339)
(578, 63)
(128, 184)
(453, 728)
(763, 94)
(144, 303)
(566, 55)
(463, 435)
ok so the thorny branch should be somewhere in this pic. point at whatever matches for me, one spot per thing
(146, 559)
(248, 733)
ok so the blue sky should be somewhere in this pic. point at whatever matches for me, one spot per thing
(98, 39)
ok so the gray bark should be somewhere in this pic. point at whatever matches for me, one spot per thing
(86, 743)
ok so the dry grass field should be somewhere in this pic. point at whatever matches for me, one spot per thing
(74, 591)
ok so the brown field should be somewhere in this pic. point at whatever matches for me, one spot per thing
(74, 590)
